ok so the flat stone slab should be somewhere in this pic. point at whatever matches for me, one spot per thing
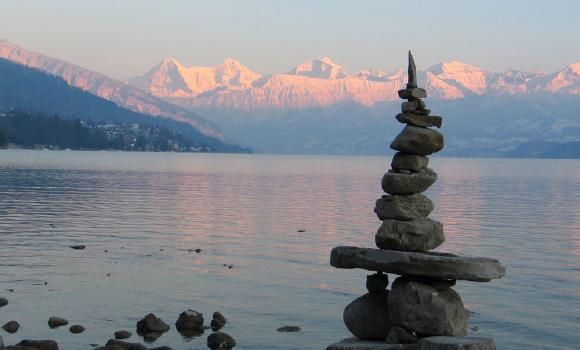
(357, 344)
(427, 264)
(456, 343)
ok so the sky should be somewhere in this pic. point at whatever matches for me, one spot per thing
(124, 38)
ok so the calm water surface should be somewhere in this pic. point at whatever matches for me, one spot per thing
(139, 213)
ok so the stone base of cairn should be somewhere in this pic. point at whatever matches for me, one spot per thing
(421, 310)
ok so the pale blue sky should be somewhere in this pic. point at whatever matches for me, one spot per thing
(125, 38)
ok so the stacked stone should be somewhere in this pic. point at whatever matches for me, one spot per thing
(421, 302)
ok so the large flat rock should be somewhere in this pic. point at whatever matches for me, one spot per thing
(357, 344)
(428, 264)
(456, 343)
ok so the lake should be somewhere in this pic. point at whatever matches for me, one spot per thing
(141, 214)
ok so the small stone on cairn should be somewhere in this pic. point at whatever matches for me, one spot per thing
(421, 303)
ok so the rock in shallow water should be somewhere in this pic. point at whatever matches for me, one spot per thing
(220, 341)
(11, 327)
(403, 207)
(289, 329)
(357, 344)
(123, 334)
(427, 264)
(403, 184)
(414, 235)
(3, 302)
(39, 344)
(76, 329)
(367, 317)
(417, 140)
(119, 344)
(425, 309)
(55, 322)
(456, 343)
(190, 320)
(151, 324)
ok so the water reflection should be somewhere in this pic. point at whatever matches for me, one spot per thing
(141, 216)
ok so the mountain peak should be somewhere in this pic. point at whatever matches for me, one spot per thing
(453, 67)
(323, 68)
(170, 61)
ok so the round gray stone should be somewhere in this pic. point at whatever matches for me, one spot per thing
(417, 140)
(415, 235)
(427, 309)
(367, 317)
(409, 161)
(456, 343)
(403, 184)
(403, 207)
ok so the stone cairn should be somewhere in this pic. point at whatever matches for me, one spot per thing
(421, 311)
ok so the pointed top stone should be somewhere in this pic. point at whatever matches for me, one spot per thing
(412, 72)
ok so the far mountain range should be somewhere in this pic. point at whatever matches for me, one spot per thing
(318, 107)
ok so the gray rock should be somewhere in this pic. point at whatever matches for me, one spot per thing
(367, 317)
(289, 329)
(425, 309)
(396, 183)
(3, 302)
(427, 264)
(425, 111)
(76, 329)
(412, 93)
(78, 247)
(151, 336)
(417, 118)
(55, 322)
(39, 344)
(456, 343)
(412, 105)
(11, 327)
(403, 207)
(400, 335)
(216, 325)
(409, 161)
(218, 316)
(377, 283)
(124, 345)
(415, 235)
(161, 348)
(151, 324)
(190, 320)
(357, 344)
(123, 334)
(417, 140)
(220, 341)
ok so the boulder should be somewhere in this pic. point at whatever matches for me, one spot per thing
(414, 235)
(417, 140)
(427, 264)
(456, 343)
(220, 341)
(400, 335)
(123, 334)
(190, 320)
(55, 322)
(112, 343)
(11, 327)
(357, 344)
(409, 161)
(377, 283)
(367, 317)
(151, 324)
(427, 309)
(39, 344)
(76, 329)
(413, 93)
(403, 184)
(403, 207)
(418, 119)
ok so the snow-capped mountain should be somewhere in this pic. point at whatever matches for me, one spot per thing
(322, 82)
(100, 85)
